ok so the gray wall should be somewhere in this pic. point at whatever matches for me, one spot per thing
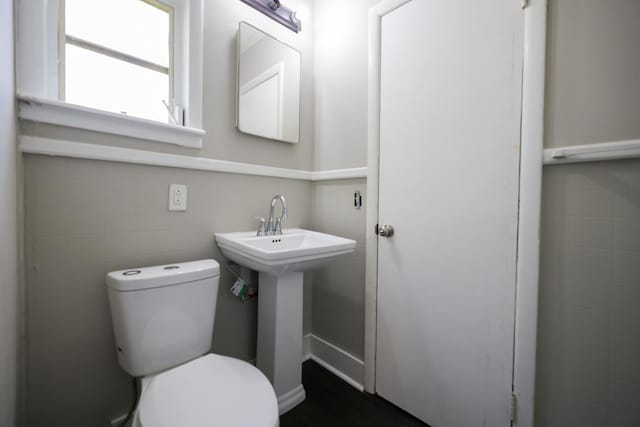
(593, 90)
(223, 141)
(85, 218)
(338, 289)
(341, 142)
(8, 223)
(341, 83)
(589, 316)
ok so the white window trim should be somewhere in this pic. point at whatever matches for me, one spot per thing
(38, 85)
(75, 116)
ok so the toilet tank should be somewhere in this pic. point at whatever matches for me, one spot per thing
(163, 315)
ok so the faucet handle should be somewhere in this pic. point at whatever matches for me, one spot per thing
(262, 226)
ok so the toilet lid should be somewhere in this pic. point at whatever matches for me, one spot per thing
(210, 391)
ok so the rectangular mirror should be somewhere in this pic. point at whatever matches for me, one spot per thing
(268, 100)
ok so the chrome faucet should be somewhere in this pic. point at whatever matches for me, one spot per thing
(276, 228)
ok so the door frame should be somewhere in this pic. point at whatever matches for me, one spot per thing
(532, 143)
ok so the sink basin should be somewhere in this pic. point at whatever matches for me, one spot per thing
(294, 250)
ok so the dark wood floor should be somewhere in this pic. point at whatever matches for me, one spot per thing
(331, 402)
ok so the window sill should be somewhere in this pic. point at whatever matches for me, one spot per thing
(64, 114)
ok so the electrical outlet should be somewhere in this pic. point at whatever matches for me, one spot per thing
(177, 197)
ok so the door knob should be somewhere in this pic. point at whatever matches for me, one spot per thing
(385, 230)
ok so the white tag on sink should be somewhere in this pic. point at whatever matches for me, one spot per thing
(240, 289)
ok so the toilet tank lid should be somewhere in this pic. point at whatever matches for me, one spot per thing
(135, 279)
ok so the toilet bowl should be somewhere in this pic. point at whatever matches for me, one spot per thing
(212, 390)
(163, 319)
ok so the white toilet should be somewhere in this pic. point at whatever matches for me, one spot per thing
(163, 323)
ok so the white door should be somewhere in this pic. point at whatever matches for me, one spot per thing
(451, 81)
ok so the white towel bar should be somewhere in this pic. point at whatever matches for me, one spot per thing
(592, 152)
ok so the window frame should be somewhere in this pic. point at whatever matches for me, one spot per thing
(39, 76)
(64, 39)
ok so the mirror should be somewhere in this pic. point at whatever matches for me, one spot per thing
(268, 100)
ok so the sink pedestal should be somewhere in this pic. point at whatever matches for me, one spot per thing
(280, 260)
(279, 352)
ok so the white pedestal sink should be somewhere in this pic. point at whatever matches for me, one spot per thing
(280, 260)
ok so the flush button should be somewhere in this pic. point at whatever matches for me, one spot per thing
(131, 272)
(172, 267)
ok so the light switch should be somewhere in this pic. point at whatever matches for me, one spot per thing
(177, 197)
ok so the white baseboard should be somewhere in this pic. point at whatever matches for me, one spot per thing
(334, 359)
(306, 347)
(337, 361)
(118, 420)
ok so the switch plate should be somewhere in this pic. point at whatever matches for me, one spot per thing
(357, 200)
(177, 197)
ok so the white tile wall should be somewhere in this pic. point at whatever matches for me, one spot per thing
(589, 318)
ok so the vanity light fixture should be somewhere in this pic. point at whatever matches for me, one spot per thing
(276, 11)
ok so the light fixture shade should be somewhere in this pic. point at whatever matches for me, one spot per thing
(277, 12)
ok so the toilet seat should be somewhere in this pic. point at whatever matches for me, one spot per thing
(210, 391)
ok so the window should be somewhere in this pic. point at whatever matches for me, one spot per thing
(125, 67)
(116, 56)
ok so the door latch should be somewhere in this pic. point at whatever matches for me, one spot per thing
(384, 230)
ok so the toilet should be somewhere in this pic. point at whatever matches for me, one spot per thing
(163, 323)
